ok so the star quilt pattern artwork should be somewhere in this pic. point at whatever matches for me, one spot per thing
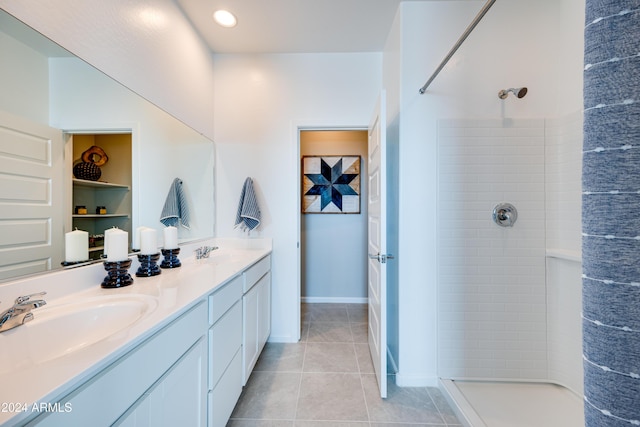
(331, 184)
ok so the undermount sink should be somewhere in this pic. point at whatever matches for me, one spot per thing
(59, 330)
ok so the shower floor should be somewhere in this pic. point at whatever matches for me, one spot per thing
(504, 404)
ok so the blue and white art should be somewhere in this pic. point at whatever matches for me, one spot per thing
(331, 184)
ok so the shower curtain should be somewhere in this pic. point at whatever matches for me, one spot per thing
(611, 213)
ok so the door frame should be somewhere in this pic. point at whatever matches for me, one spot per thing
(130, 128)
(297, 129)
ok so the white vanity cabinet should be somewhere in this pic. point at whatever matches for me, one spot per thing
(256, 309)
(162, 382)
(190, 371)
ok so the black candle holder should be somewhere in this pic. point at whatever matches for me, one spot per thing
(72, 263)
(148, 265)
(170, 258)
(117, 274)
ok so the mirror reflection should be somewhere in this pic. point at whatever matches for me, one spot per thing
(54, 109)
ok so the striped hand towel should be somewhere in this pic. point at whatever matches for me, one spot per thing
(248, 215)
(176, 209)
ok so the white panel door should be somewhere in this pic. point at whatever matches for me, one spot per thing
(377, 277)
(31, 196)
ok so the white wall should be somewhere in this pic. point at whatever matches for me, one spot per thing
(147, 45)
(334, 246)
(24, 75)
(261, 102)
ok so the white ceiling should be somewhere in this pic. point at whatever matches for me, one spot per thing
(294, 26)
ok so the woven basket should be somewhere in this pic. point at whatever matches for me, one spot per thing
(86, 170)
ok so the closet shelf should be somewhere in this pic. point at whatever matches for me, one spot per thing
(98, 184)
(92, 216)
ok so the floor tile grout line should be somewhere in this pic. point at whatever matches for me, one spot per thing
(304, 357)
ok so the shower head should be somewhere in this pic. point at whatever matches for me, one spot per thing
(519, 92)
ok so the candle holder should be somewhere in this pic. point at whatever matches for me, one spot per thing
(170, 258)
(72, 263)
(148, 265)
(117, 274)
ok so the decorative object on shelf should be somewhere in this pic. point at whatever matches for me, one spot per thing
(87, 170)
(96, 240)
(176, 209)
(81, 210)
(248, 215)
(101, 210)
(170, 258)
(331, 184)
(117, 274)
(148, 265)
(95, 155)
(89, 167)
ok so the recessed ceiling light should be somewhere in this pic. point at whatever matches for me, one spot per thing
(225, 18)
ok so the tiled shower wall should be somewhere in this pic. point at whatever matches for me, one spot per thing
(492, 298)
(564, 269)
(510, 298)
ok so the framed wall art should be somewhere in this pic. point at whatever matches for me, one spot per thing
(331, 184)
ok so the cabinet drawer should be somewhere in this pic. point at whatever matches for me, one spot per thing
(222, 299)
(224, 397)
(255, 272)
(225, 339)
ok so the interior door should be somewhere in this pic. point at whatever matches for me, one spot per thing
(377, 277)
(31, 196)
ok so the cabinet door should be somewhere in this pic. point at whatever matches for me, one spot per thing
(178, 398)
(264, 310)
(223, 398)
(249, 332)
(225, 339)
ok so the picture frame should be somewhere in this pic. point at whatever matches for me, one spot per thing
(331, 184)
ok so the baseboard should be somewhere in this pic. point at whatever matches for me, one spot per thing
(282, 339)
(333, 300)
(415, 381)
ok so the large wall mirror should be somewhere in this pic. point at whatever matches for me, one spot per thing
(59, 98)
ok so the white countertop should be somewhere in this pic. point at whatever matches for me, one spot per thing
(173, 292)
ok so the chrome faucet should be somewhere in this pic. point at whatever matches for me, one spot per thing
(204, 251)
(20, 313)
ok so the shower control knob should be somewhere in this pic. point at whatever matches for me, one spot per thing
(505, 214)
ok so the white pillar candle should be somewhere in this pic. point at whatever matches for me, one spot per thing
(118, 245)
(107, 232)
(170, 237)
(76, 246)
(148, 242)
(136, 238)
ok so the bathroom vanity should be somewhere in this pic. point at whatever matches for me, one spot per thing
(174, 349)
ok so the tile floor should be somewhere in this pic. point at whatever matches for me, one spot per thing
(327, 379)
